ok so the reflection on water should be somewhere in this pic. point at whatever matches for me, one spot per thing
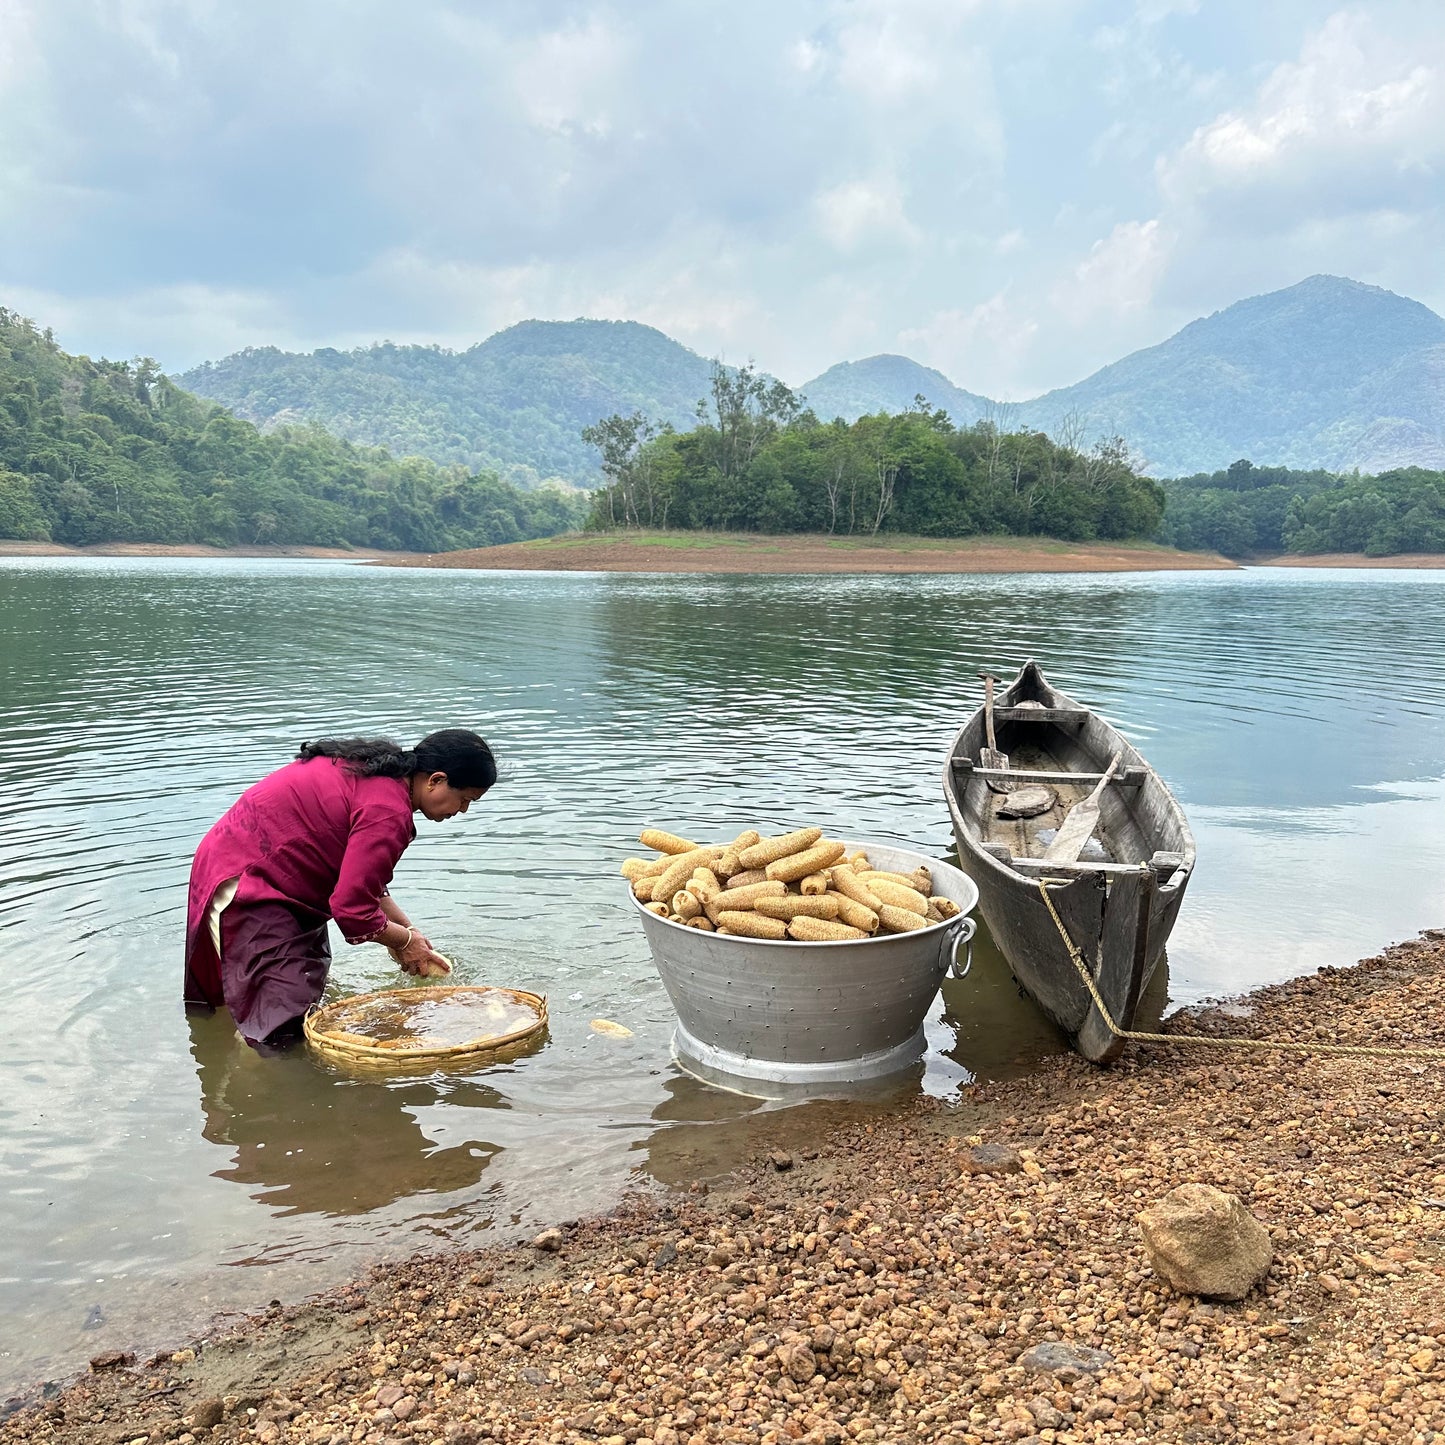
(1298, 716)
(990, 1030)
(305, 1143)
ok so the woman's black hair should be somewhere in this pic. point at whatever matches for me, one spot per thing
(464, 757)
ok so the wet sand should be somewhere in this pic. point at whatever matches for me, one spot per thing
(866, 1286)
(748, 552)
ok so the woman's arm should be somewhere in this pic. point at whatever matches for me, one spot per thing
(393, 910)
(361, 905)
(396, 914)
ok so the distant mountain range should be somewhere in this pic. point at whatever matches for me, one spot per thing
(1327, 373)
(515, 403)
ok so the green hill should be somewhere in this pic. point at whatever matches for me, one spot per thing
(515, 403)
(889, 384)
(107, 451)
(1328, 373)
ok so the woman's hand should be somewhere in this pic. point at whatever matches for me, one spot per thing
(397, 952)
(417, 957)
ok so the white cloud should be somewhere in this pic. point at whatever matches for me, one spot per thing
(806, 55)
(886, 55)
(567, 79)
(1355, 124)
(1151, 12)
(863, 211)
(1119, 274)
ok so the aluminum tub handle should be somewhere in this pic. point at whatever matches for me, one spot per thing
(964, 935)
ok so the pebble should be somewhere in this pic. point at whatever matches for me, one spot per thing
(1066, 1361)
(993, 1159)
(208, 1414)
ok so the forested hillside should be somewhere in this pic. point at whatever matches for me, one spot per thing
(761, 462)
(103, 451)
(1325, 374)
(100, 451)
(515, 403)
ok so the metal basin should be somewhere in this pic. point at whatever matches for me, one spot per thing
(753, 1012)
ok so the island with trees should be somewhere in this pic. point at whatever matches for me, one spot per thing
(758, 460)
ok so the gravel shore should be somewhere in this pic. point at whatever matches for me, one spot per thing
(877, 1288)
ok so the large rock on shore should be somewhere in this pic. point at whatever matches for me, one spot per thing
(1205, 1242)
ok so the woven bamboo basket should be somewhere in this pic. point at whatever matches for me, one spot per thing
(325, 1031)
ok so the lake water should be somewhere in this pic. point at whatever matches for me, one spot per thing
(155, 1172)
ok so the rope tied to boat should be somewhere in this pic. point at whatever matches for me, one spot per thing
(1219, 1041)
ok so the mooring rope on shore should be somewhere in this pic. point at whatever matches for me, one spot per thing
(1220, 1041)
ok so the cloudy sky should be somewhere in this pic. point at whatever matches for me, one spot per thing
(1014, 191)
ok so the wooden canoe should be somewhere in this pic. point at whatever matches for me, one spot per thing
(1121, 897)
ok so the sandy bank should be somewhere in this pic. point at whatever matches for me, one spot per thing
(750, 553)
(872, 1289)
(1406, 560)
(184, 549)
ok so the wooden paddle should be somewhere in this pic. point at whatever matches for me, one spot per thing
(990, 757)
(1078, 827)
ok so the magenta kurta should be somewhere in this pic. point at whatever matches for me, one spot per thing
(313, 838)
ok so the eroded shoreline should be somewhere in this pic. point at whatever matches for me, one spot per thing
(875, 1290)
(753, 553)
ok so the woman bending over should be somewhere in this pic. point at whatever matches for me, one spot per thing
(318, 839)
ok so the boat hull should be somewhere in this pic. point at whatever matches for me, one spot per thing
(1119, 917)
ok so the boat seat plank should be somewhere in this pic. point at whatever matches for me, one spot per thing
(1044, 866)
(1022, 713)
(1161, 863)
(966, 767)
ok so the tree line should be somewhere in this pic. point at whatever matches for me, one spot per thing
(106, 451)
(759, 460)
(1247, 510)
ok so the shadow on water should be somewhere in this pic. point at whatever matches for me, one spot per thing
(304, 1140)
(997, 1030)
